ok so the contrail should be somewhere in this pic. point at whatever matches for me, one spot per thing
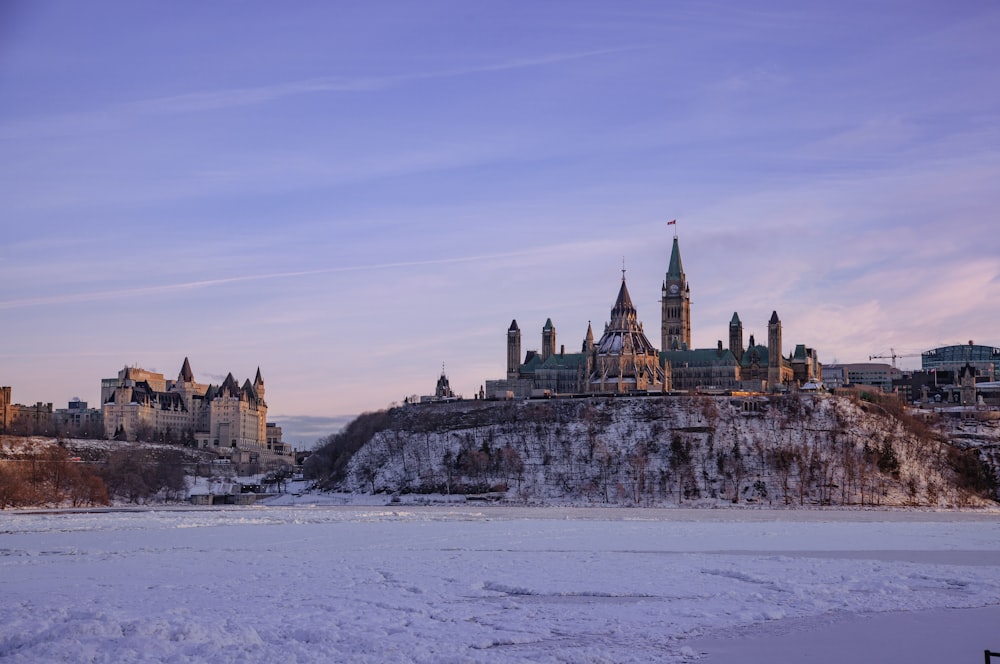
(208, 283)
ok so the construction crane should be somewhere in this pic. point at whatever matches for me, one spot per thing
(893, 355)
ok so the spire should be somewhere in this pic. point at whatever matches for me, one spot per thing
(548, 324)
(735, 320)
(513, 326)
(588, 341)
(623, 305)
(186, 375)
(675, 270)
(774, 318)
(258, 380)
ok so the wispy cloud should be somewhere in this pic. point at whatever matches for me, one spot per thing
(211, 100)
(144, 291)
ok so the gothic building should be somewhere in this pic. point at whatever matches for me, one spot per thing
(621, 361)
(624, 361)
(229, 418)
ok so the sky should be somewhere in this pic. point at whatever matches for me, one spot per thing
(352, 195)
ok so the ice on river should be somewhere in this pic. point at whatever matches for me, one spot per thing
(497, 584)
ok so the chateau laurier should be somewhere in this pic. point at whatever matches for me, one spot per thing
(624, 360)
(227, 418)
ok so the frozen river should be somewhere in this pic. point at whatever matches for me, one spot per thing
(498, 584)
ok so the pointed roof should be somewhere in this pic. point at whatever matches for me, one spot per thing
(186, 375)
(774, 318)
(548, 324)
(229, 387)
(675, 269)
(258, 380)
(623, 333)
(513, 326)
(590, 332)
(623, 305)
(736, 319)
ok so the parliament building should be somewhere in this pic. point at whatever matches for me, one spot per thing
(624, 361)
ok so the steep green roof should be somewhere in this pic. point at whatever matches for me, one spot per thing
(675, 269)
(761, 353)
(534, 361)
(699, 357)
(565, 361)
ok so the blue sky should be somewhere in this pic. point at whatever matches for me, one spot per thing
(351, 194)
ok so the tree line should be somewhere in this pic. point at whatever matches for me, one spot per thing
(53, 476)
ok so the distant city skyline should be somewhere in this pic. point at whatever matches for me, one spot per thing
(348, 196)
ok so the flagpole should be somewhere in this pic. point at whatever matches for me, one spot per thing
(673, 223)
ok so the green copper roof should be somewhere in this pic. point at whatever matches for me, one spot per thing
(761, 353)
(736, 319)
(699, 357)
(675, 269)
(565, 361)
(548, 324)
(532, 364)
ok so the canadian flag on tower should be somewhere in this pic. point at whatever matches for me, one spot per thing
(672, 223)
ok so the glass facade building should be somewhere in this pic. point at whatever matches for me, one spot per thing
(985, 359)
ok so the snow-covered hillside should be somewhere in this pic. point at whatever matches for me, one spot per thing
(792, 450)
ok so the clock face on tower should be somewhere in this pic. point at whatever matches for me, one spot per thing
(674, 288)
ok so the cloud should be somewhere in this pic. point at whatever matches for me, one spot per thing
(756, 80)
(307, 429)
(195, 102)
(143, 291)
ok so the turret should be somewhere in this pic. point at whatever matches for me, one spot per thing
(588, 341)
(736, 337)
(548, 340)
(513, 350)
(258, 384)
(774, 356)
(185, 376)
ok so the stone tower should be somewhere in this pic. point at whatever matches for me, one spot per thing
(774, 351)
(676, 319)
(513, 350)
(548, 340)
(736, 337)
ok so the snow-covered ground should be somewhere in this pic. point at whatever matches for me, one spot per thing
(484, 583)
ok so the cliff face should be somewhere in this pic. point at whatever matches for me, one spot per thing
(792, 450)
